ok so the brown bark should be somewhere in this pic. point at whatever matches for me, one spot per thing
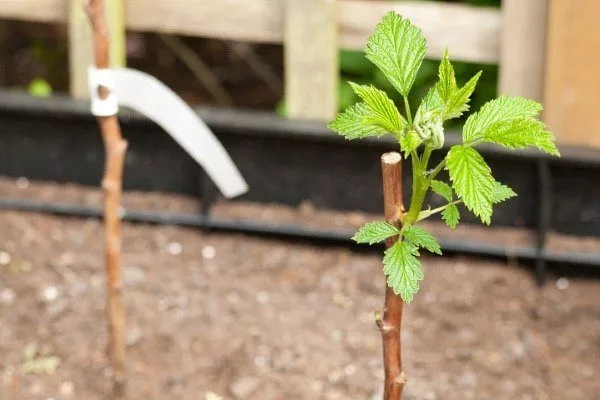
(390, 323)
(115, 147)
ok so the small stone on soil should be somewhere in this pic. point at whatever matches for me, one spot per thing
(350, 369)
(49, 294)
(212, 396)
(260, 361)
(244, 387)
(209, 252)
(22, 183)
(67, 388)
(133, 336)
(562, 283)
(174, 248)
(7, 296)
(133, 276)
(262, 297)
(5, 258)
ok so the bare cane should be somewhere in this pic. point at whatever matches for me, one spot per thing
(115, 147)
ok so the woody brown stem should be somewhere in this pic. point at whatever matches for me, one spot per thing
(115, 147)
(390, 323)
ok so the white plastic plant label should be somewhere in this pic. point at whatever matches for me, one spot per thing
(150, 97)
(102, 78)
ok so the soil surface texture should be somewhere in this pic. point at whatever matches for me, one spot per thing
(222, 316)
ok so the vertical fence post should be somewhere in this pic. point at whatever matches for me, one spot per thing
(311, 59)
(523, 48)
(572, 74)
(115, 14)
(80, 43)
(3, 51)
(80, 49)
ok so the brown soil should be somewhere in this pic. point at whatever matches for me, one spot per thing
(306, 215)
(252, 319)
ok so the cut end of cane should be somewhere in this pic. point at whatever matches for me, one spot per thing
(391, 157)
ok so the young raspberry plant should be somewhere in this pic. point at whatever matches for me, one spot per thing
(397, 48)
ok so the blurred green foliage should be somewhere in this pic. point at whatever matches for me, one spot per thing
(38, 87)
(492, 3)
(356, 68)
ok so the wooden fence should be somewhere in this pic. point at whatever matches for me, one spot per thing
(312, 31)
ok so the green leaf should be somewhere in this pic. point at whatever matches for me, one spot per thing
(355, 123)
(442, 189)
(403, 269)
(459, 102)
(501, 193)
(502, 109)
(382, 110)
(374, 232)
(409, 141)
(520, 133)
(430, 106)
(455, 100)
(421, 238)
(471, 180)
(397, 48)
(451, 216)
(447, 83)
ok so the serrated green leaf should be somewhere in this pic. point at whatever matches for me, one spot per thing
(432, 101)
(450, 215)
(459, 102)
(442, 189)
(521, 133)
(447, 83)
(501, 193)
(471, 180)
(375, 232)
(397, 48)
(382, 110)
(403, 269)
(502, 109)
(421, 238)
(354, 123)
(455, 100)
(409, 141)
(430, 106)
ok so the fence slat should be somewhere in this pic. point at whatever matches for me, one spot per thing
(115, 14)
(244, 20)
(311, 59)
(572, 74)
(80, 43)
(80, 49)
(35, 10)
(473, 33)
(523, 48)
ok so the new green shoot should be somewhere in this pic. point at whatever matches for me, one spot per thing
(398, 48)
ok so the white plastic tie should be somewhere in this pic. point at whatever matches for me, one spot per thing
(102, 77)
